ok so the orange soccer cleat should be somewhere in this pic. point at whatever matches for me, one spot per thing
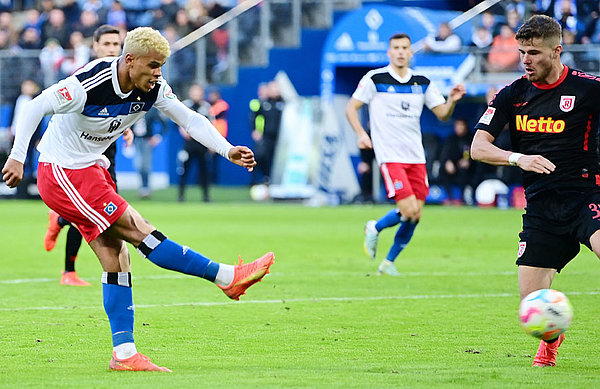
(52, 231)
(138, 362)
(547, 352)
(71, 278)
(247, 275)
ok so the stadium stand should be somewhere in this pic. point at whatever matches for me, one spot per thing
(37, 42)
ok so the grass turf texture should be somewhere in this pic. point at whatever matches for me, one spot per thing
(323, 318)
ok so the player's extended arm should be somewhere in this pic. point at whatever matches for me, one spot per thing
(201, 130)
(364, 141)
(482, 149)
(444, 111)
(32, 114)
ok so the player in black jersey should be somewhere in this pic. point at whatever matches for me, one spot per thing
(106, 43)
(552, 114)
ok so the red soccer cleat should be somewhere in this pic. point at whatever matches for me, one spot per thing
(138, 362)
(71, 278)
(547, 352)
(52, 231)
(247, 275)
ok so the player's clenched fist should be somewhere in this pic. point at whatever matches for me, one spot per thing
(12, 173)
(242, 156)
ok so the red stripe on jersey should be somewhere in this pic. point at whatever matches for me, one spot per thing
(588, 128)
(562, 77)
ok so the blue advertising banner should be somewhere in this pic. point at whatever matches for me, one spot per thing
(360, 39)
(356, 44)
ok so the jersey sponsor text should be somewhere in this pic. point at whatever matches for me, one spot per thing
(86, 136)
(542, 124)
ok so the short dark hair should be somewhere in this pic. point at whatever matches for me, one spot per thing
(105, 29)
(400, 35)
(540, 26)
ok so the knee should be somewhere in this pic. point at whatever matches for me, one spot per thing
(595, 243)
(411, 213)
(132, 227)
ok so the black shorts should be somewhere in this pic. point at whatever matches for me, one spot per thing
(555, 223)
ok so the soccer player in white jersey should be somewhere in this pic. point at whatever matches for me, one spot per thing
(92, 108)
(106, 43)
(396, 97)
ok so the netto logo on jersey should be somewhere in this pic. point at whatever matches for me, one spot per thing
(542, 124)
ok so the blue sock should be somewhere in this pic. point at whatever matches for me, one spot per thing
(118, 304)
(401, 239)
(171, 255)
(390, 219)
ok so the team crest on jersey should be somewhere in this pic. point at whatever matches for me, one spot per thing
(63, 95)
(110, 208)
(405, 105)
(398, 185)
(567, 103)
(522, 246)
(487, 116)
(136, 107)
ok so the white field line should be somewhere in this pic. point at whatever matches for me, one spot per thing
(304, 274)
(300, 300)
(280, 274)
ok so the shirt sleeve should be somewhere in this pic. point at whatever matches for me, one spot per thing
(433, 96)
(198, 126)
(365, 90)
(29, 119)
(66, 96)
(497, 114)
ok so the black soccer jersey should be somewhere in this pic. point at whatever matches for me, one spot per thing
(558, 121)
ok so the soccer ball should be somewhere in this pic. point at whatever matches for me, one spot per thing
(545, 313)
(259, 192)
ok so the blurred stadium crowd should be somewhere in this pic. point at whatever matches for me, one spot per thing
(43, 41)
(60, 32)
(493, 34)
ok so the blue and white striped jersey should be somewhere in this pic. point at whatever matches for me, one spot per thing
(395, 107)
(91, 112)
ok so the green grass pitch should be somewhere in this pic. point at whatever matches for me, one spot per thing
(323, 318)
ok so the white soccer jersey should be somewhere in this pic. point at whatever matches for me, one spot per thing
(395, 107)
(92, 112)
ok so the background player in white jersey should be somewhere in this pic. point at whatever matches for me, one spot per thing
(106, 43)
(396, 98)
(92, 108)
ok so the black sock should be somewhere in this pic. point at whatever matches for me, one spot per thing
(63, 222)
(73, 245)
